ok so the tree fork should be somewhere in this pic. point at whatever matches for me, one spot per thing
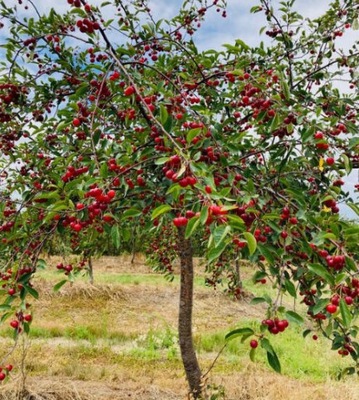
(188, 353)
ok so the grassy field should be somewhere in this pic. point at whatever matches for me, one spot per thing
(117, 340)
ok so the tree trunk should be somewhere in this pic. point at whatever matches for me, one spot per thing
(238, 274)
(90, 266)
(188, 354)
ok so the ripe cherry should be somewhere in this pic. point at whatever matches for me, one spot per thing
(331, 308)
(208, 189)
(330, 160)
(129, 91)
(180, 221)
(28, 317)
(253, 344)
(80, 206)
(14, 324)
(349, 300)
(76, 122)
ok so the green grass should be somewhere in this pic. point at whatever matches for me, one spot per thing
(88, 325)
(301, 358)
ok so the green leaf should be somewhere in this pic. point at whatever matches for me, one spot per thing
(306, 333)
(274, 361)
(132, 212)
(239, 332)
(220, 233)
(41, 264)
(252, 354)
(275, 123)
(215, 252)
(266, 345)
(31, 291)
(294, 317)
(164, 208)
(347, 163)
(163, 114)
(251, 241)
(161, 160)
(236, 222)
(59, 285)
(271, 355)
(191, 226)
(289, 286)
(264, 250)
(192, 134)
(321, 271)
(284, 86)
(204, 215)
(345, 313)
(115, 236)
(257, 300)
(354, 207)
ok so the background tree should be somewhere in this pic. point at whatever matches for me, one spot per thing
(106, 120)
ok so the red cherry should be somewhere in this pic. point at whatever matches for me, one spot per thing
(208, 189)
(76, 122)
(190, 214)
(331, 308)
(293, 220)
(14, 324)
(315, 337)
(111, 194)
(28, 317)
(129, 91)
(9, 367)
(245, 100)
(2, 376)
(330, 160)
(349, 300)
(80, 206)
(253, 344)
(11, 291)
(77, 227)
(107, 218)
(180, 221)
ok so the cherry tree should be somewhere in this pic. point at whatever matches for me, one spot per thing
(109, 116)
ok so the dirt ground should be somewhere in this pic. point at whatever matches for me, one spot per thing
(130, 307)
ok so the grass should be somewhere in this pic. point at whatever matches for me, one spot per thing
(123, 329)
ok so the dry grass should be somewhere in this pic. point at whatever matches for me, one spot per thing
(87, 339)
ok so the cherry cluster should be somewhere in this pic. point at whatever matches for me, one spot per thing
(275, 325)
(332, 204)
(73, 172)
(95, 209)
(87, 26)
(21, 320)
(4, 371)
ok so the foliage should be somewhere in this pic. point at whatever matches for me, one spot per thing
(107, 121)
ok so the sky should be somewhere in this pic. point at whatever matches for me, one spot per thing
(239, 24)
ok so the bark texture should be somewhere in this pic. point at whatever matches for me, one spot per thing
(188, 353)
